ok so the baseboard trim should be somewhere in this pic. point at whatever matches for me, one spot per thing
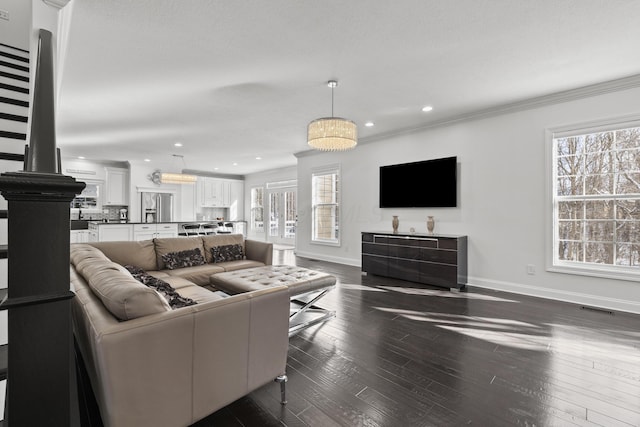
(578, 298)
(328, 258)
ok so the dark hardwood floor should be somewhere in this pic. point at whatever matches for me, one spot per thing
(403, 354)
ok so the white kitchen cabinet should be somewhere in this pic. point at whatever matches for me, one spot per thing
(154, 231)
(236, 205)
(114, 232)
(79, 236)
(144, 231)
(166, 230)
(116, 192)
(214, 192)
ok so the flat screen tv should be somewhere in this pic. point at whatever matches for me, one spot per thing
(424, 184)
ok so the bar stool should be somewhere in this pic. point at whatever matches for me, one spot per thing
(208, 229)
(191, 229)
(223, 228)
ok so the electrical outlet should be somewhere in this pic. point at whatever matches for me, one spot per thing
(531, 269)
(4, 14)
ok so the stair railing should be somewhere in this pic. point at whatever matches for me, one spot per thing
(41, 385)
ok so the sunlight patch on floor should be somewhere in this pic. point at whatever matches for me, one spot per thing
(445, 294)
(509, 339)
(353, 287)
(458, 319)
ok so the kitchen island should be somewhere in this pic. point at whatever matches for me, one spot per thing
(98, 231)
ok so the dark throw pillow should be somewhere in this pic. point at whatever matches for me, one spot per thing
(174, 299)
(181, 259)
(227, 253)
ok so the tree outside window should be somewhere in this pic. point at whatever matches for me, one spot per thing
(257, 209)
(325, 207)
(597, 199)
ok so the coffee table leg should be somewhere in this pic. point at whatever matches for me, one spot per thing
(282, 379)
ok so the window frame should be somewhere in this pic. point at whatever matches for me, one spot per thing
(320, 171)
(252, 207)
(553, 263)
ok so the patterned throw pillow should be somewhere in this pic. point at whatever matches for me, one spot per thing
(181, 259)
(174, 299)
(227, 253)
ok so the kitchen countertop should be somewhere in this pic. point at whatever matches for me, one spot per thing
(164, 222)
(83, 224)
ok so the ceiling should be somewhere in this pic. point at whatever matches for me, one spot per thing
(236, 80)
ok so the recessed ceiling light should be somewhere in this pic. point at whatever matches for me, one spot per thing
(215, 169)
(147, 160)
(235, 164)
(258, 158)
(178, 144)
(81, 157)
(427, 108)
(369, 124)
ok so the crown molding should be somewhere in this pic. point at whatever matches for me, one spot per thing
(58, 4)
(526, 104)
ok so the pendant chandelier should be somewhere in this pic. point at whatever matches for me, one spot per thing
(159, 177)
(332, 133)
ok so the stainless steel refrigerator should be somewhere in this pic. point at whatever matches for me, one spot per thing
(157, 207)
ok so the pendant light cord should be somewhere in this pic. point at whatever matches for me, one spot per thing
(332, 87)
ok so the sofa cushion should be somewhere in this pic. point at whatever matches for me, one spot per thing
(182, 259)
(81, 252)
(221, 240)
(225, 253)
(174, 244)
(174, 299)
(198, 275)
(141, 254)
(239, 265)
(120, 293)
(200, 294)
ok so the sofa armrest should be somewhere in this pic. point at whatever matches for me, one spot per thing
(259, 251)
(198, 358)
(238, 349)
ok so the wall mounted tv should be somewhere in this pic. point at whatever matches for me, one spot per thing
(425, 184)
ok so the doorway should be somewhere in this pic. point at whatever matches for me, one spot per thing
(282, 217)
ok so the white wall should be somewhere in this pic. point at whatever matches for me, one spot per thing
(502, 198)
(261, 179)
(15, 31)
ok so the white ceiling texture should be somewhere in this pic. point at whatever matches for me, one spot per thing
(236, 80)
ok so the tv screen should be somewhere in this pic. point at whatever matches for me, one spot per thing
(425, 184)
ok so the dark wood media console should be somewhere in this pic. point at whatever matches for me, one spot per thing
(439, 260)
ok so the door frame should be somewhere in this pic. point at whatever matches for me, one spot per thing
(281, 189)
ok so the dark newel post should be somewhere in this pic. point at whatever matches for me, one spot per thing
(41, 388)
(42, 139)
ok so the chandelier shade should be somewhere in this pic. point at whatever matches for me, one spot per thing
(172, 178)
(332, 134)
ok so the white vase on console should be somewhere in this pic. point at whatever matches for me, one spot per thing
(431, 223)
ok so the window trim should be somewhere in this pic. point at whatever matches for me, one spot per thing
(251, 222)
(616, 272)
(324, 170)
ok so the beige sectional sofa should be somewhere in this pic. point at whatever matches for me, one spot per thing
(153, 365)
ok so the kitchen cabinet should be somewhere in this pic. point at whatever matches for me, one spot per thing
(236, 206)
(116, 187)
(214, 192)
(103, 232)
(114, 232)
(79, 236)
(154, 231)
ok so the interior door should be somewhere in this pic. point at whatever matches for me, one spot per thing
(282, 216)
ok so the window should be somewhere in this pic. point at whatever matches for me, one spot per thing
(257, 209)
(325, 198)
(596, 200)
